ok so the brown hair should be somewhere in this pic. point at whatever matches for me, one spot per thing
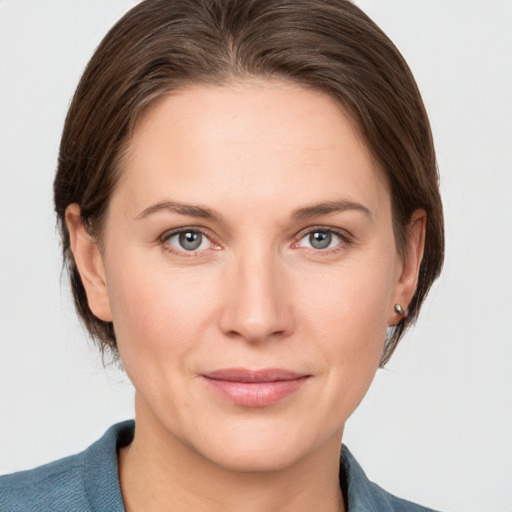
(328, 45)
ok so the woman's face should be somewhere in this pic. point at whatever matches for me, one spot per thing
(250, 270)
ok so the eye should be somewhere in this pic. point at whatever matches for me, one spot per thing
(188, 240)
(320, 239)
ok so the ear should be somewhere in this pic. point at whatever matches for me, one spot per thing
(89, 262)
(408, 268)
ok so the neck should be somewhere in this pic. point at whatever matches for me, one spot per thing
(158, 472)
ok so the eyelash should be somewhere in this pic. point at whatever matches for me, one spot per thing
(345, 239)
(189, 229)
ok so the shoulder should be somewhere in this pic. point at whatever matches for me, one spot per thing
(52, 486)
(85, 482)
(366, 496)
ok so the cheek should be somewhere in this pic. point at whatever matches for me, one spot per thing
(347, 318)
(351, 302)
(355, 332)
(157, 313)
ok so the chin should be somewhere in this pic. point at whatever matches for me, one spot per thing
(269, 448)
(255, 459)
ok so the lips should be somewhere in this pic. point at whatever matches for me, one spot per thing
(254, 388)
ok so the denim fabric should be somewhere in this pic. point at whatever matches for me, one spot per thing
(362, 495)
(88, 482)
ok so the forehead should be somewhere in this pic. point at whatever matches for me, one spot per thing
(248, 140)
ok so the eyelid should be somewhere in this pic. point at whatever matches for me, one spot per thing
(342, 233)
(345, 236)
(176, 231)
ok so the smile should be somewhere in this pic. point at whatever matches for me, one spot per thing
(259, 388)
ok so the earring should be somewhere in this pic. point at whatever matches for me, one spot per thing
(399, 309)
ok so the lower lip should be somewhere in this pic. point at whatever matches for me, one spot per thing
(255, 394)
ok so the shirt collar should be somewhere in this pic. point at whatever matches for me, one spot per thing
(361, 495)
(101, 476)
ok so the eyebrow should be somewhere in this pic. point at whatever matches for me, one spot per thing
(306, 212)
(330, 207)
(181, 208)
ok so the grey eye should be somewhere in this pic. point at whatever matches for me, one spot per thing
(190, 240)
(320, 239)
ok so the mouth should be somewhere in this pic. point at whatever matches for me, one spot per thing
(254, 388)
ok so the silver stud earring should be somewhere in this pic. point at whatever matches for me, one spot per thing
(399, 309)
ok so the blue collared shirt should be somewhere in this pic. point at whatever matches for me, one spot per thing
(89, 482)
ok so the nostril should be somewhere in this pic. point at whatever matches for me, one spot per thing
(235, 323)
(255, 306)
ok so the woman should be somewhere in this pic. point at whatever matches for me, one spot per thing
(249, 206)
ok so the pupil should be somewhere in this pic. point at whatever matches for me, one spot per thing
(190, 240)
(320, 239)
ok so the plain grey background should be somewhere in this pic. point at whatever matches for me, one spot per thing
(436, 427)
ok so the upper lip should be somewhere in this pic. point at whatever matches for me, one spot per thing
(245, 375)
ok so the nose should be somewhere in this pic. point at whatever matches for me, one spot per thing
(256, 306)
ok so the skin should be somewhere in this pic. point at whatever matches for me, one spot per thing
(256, 294)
